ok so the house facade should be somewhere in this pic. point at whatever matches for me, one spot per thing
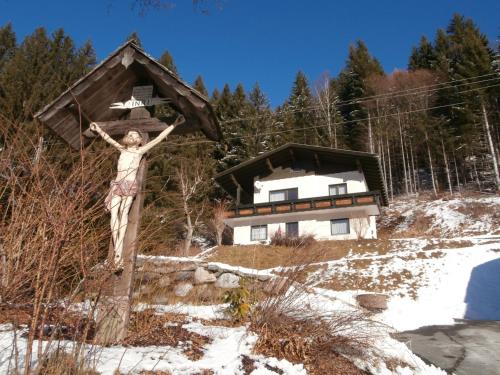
(304, 190)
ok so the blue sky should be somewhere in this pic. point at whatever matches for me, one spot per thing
(255, 40)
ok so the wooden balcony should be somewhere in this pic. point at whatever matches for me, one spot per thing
(306, 204)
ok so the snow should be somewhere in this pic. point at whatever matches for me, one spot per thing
(453, 276)
(208, 312)
(223, 355)
(448, 285)
(447, 215)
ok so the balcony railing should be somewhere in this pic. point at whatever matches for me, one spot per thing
(306, 204)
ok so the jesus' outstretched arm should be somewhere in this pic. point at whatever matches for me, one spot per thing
(162, 135)
(96, 128)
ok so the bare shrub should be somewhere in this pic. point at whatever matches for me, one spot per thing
(60, 362)
(216, 223)
(307, 335)
(280, 239)
(53, 232)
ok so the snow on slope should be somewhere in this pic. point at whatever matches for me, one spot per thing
(426, 287)
(223, 355)
(428, 280)
(448, 217)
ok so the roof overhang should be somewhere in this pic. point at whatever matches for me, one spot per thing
(244, 173)
(112, 81)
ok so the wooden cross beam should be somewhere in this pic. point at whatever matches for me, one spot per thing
(121, 127)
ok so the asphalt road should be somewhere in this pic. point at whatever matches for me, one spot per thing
(466, 348)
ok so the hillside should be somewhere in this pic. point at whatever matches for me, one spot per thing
(437, 261)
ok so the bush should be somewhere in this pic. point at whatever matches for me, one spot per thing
(239, 302)
(280, 239)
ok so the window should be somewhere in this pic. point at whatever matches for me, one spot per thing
(337, 189)
(340, 226)
(292, 229)
(258, 233)
(283, 195)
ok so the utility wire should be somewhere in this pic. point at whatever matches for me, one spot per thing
(311, 108)
(359, 100)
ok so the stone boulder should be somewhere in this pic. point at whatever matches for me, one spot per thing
(182, 289)
(164, 281)
(372, 302)
(202, 276)
(228, 281)
(184, 275)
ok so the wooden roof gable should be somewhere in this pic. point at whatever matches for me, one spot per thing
(292, 153)
(89, 99)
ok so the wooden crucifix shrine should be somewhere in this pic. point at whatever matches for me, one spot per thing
(111, 102)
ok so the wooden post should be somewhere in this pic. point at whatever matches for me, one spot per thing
(113, 311)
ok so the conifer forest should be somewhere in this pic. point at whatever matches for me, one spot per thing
(435, 126)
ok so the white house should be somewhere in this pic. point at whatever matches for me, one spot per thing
(300, 189)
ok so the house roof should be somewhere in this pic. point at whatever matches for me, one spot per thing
(112, 81)
(244, 173)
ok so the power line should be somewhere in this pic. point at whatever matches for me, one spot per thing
(310, 108)
(337, 123)
(365, 99)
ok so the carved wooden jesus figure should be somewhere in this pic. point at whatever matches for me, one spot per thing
(124, 187)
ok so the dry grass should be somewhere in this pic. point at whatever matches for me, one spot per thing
(289, 329)
(264, 256)
(447, 244)
(61, 363)
(149, 329)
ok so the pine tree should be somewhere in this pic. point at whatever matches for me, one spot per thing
(167, 61)
(7, 43)
(260, 123)
(300, 119)
(199, 86)
(360, 65)
(422, 57)
(39, 70)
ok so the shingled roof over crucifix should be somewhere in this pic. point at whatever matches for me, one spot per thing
(91, 98)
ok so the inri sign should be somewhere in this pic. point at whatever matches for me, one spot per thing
(142, 96)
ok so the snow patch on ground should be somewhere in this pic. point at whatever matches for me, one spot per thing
(451, 217)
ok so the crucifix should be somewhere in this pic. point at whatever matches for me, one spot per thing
(124, 187)
(125, 78)
(124, 203)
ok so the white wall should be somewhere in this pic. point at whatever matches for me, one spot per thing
(312, 186)
(360, 227)
(317, 223)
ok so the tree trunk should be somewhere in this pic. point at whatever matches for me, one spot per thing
(370, 135)
(403, 153)
(456, 171)
(390, 167)
(413, 169)
(189, 230)
(478, 181)
(491, 146)
(434, 186)
(446, 167)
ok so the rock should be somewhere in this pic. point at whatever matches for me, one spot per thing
(228, 281)
(263, 277)
(184, 275)
(213, 267)
(164, 281)
(372, 302)
(202, 276)
(182, 289)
